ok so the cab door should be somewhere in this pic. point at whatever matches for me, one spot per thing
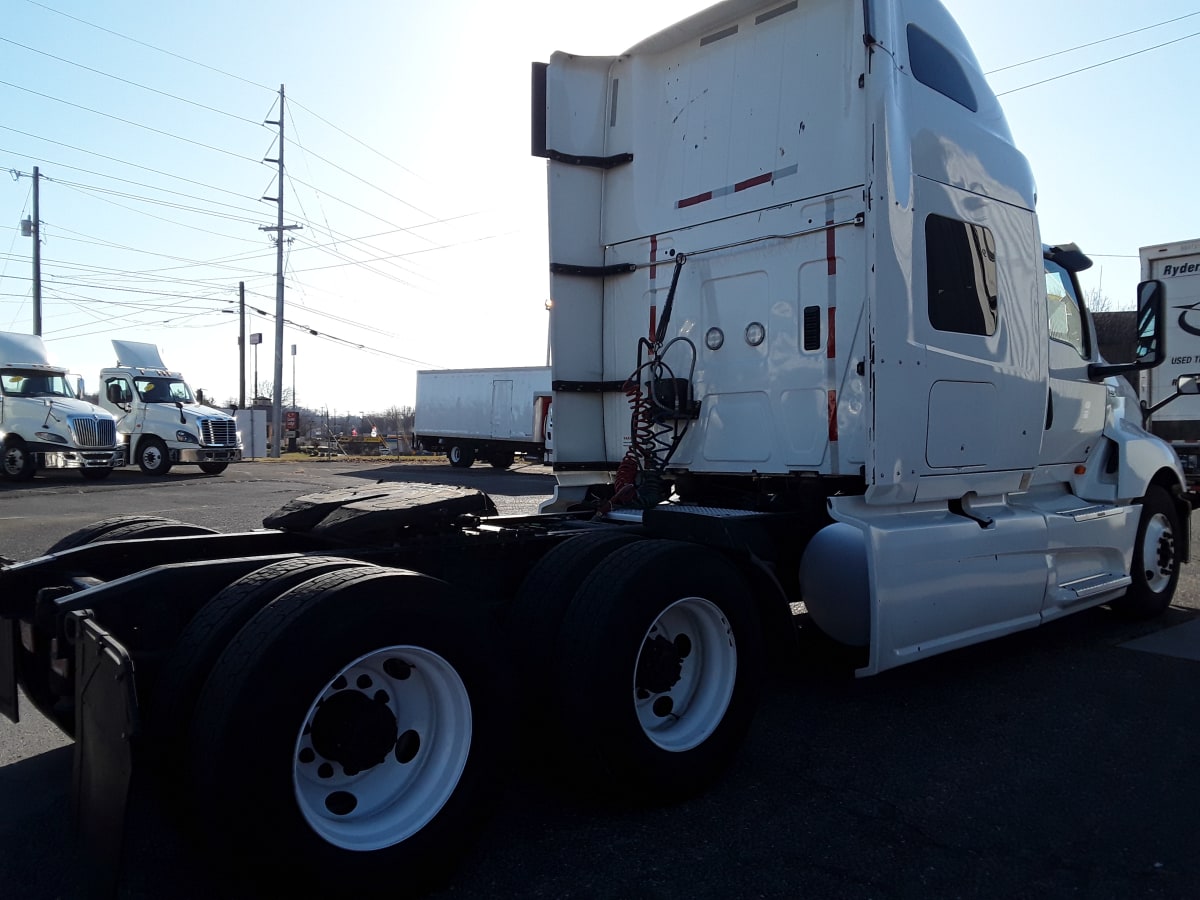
(1075, 405)
(959, 367)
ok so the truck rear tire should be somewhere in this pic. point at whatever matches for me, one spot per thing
(352, 735)
(461, 457)
(208, 633)
(501, 459)
(152, 456)
(659, 670)
(1156, 558)
(90, 534)
(16, 462)
(536, 614)
(213, 468)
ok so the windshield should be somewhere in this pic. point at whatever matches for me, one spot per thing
(163, 390)
(34, 383)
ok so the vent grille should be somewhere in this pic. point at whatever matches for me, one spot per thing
(93, 432)
(812, 328)
(219, 432)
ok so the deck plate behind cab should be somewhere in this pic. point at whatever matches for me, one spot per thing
(380, 513)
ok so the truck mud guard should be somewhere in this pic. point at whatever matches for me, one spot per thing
(106, 722)
(8, 670)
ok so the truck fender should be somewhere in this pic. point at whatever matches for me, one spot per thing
(106, 724)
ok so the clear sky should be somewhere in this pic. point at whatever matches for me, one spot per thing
(423, 215)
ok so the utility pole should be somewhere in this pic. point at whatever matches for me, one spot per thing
(279, 228)
(37, 257)
(32, 227)
(242, 345)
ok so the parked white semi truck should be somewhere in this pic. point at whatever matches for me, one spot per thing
(160, 418)
(808, 348)
(44, 422)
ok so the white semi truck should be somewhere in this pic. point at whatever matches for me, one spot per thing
(487, 414)
(809, 348)
(160, 418)
(44, 422)
(1177, 266)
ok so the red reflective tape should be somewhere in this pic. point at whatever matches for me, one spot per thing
(831, 344)
(833, 428)
(692, 201)
(653, 256)
(830, 249)
(754, 182)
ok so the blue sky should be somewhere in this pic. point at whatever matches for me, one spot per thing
(423, 238)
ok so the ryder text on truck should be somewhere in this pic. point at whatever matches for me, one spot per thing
(808, 346)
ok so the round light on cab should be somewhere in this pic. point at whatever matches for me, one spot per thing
(714, 338)
(755, 332)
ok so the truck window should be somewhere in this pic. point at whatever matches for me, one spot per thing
(961, 261)
(1062, 309)
(936, 67)
(35, 384)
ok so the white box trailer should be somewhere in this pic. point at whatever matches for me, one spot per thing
(1177, 266)
(489, 414)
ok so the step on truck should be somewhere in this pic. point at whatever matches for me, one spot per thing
(44, 422)
(812, 364)
(160, 418)
(483, 414)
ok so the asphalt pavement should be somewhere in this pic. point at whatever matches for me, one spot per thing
(1059, 762)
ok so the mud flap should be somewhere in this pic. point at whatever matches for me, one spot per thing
(8, 670)
(106, 720)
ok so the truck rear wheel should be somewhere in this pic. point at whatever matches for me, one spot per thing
(535, 616)
(461, 457)
(501, 459)
(213, 468)
(352, 734)
(98, 531)
(208, 633)
(16, 462)
(152, 456)
(659, 666)
(1156, 556)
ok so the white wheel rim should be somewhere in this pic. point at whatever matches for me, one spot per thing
(1158, 553)
(679, 713)
(389, 801)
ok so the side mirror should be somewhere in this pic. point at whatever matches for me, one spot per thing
(1187, 384)
(1150, 337)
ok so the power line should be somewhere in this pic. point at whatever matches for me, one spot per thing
(129, 122)
(122, 162)
(142, 184)
(1092, 43)
(1099, 64)
(131, 83)
(149, 46)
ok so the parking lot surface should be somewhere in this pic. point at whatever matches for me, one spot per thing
(1059, 762)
